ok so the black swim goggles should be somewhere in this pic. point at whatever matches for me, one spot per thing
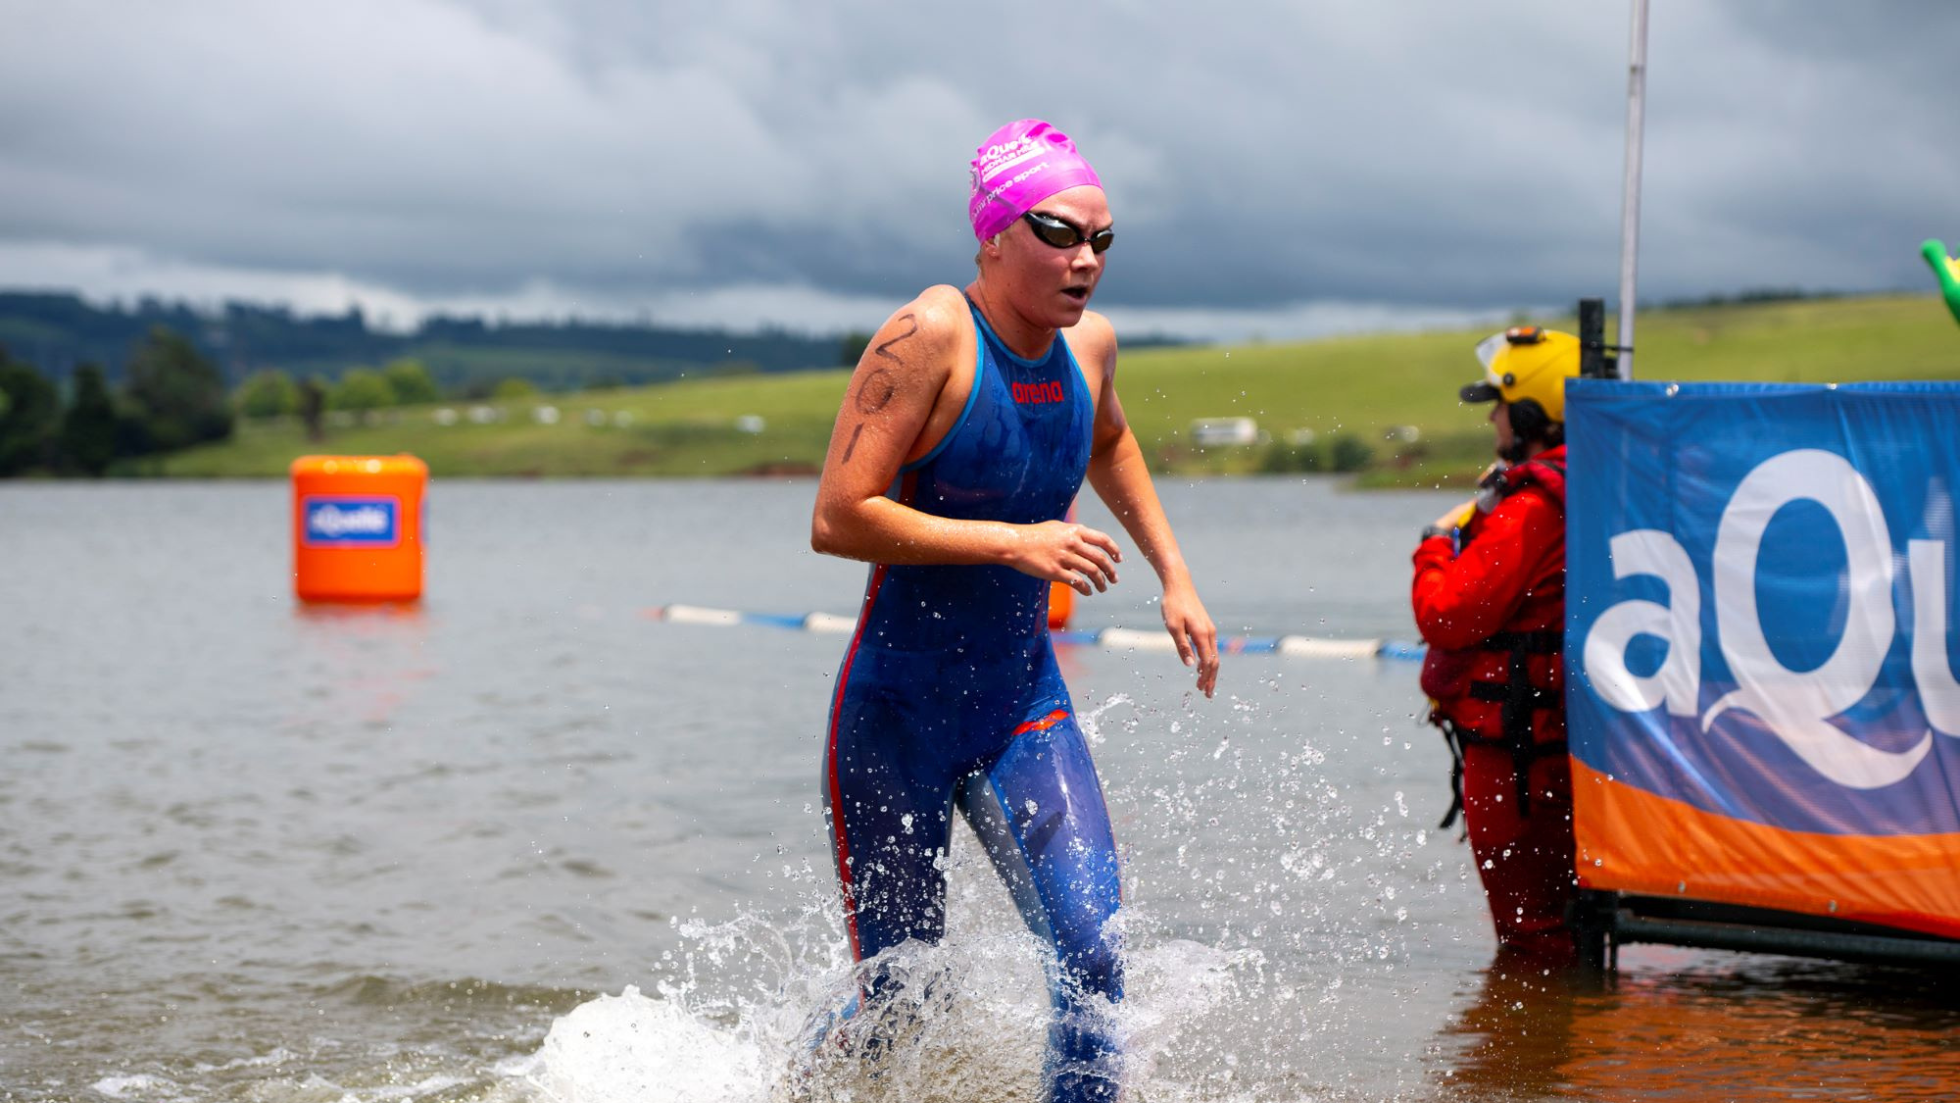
(1063, 234)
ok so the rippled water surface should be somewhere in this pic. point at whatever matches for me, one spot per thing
(524, 843)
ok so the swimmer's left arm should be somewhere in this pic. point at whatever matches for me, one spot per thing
(1122, 479)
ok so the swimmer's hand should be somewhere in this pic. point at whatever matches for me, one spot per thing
(1063, 551)
(1191, 629)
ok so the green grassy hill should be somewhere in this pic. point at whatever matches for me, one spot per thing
(1367, 388)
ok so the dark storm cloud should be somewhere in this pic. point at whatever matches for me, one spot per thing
(1433, 152)
(1801, 145)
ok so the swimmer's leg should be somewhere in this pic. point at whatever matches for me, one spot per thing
(889, 808)
(889, 811)
(1039, 811)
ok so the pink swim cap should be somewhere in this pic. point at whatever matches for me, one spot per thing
(1020, 165)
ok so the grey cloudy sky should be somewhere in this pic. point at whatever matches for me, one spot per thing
(1275, 168)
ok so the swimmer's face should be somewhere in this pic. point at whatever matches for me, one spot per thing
(1051, 285)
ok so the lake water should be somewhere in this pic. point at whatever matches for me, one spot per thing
(523, 842)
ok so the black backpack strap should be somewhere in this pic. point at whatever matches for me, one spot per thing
(1452, 738)
(1518, 701)
(1541, 641)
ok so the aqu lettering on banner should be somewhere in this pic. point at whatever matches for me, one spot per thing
(1798, 706)
(1761, 706)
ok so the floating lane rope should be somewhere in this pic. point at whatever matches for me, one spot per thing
(1118, 639)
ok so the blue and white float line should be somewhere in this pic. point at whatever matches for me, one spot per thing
(1125, 639)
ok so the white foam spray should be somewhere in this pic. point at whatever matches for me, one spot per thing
(751, 1022)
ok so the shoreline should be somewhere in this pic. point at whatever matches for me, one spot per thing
(1381, 408)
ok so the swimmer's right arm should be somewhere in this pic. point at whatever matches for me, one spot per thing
(886, 412)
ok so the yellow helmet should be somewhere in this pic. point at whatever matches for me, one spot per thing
(1526, 364)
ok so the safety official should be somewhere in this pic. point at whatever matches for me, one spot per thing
(1489, 598)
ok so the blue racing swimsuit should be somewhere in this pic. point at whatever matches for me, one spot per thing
(949, 697)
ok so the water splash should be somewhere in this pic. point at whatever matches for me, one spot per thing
(1090, 722)
(1262, 876)
(754, 1018)
(629, 1047)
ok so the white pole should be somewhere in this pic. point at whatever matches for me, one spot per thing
(1630, 189)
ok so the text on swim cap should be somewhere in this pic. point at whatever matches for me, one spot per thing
(995, 194)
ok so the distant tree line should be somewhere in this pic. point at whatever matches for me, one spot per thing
(170, 396)
(1749, 296)
(1341, 454)
(61, 332)
(271, 392)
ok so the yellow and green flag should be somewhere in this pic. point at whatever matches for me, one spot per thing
(1948, 271)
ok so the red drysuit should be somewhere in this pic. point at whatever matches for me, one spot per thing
(1493, 613)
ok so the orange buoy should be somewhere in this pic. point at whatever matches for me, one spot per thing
(1061, 602)
(357, 527)
(1061, 596)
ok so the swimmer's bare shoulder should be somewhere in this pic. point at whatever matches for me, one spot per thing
(944, 329)
(902, 388)
(1093, 341)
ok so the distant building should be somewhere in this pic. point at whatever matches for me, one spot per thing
(1209, 431)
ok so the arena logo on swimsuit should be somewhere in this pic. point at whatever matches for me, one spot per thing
(1039, 394)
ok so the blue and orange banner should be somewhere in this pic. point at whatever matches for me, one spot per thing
(1760, 645)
